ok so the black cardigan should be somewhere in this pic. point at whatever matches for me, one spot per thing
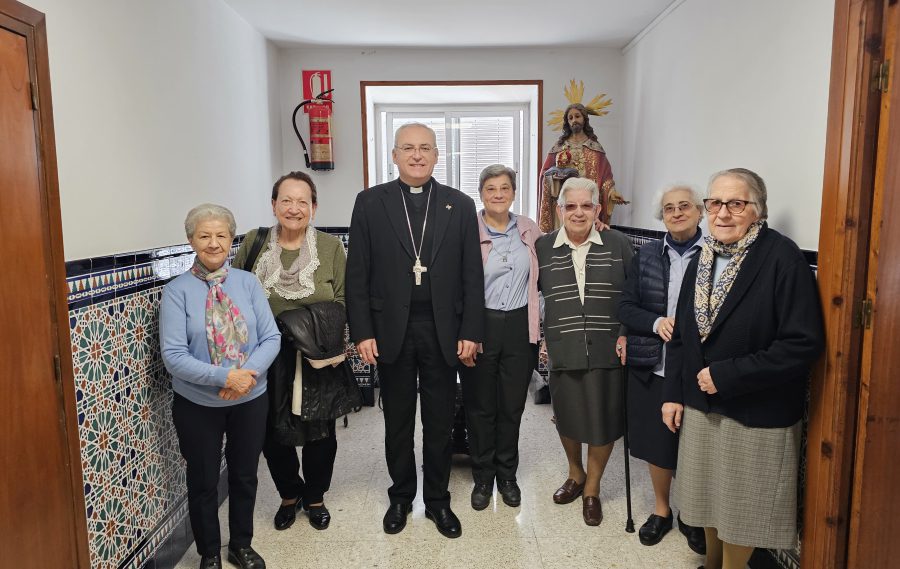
(766, 336)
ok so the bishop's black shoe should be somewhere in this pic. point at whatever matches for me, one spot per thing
(395, 518)
(446, 521)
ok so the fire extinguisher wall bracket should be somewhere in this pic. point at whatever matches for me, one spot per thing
(320, 139)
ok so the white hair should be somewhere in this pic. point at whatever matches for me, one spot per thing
(579, 184)
(694, 199)
(207, 211)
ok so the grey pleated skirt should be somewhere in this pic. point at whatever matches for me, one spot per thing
(588, 404)
(740, 480)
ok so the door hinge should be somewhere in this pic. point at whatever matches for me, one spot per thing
(864, 318)
(57, 368)
(34, 102)
(882, 76)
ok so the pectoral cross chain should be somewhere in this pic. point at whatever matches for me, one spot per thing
(418, 269)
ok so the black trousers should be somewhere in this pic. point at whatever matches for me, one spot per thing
(318, 466)
(420, 359)
(200, 430)
(494, 392)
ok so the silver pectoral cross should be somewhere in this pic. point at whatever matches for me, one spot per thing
(418, 269)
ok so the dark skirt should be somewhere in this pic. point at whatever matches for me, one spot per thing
(588, 404)
(648, 437)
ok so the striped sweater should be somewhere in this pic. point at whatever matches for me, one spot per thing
(583, 336)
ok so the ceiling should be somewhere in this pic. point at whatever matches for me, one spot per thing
(449, 23)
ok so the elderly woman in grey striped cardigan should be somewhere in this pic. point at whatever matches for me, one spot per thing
(582, 276)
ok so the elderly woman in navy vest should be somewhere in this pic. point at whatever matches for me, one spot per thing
(581, 276)
(648, 311)
(747, 329)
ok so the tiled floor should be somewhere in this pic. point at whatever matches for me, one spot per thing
(539, 534)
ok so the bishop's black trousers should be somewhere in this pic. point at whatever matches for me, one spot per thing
(420, 364)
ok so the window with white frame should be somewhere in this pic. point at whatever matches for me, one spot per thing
(468, 139)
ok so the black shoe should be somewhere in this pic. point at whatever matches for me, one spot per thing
(245, 558)
(285, 516)
(481, 495)
(510, 493)
(395, 518)
(319, 516)
(655, 528)
(696, 537)
(211, 562)
(446, 521)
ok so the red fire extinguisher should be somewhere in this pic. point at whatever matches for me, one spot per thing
(320, 138)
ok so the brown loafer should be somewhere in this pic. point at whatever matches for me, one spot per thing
(591, 510)
(568, 492)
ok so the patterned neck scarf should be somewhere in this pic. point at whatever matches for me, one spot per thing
(226, 328)
(708, 298)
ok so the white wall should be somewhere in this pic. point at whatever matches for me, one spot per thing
(158, 106)
(725, 83)
(600, 69)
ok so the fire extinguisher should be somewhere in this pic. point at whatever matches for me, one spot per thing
(320, 138)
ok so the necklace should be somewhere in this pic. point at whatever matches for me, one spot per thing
(580, 269)
(505, 254)
(418, 267)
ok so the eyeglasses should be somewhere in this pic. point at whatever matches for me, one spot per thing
(410, 149)
(573, 207)
(683, 207)
(734, 207)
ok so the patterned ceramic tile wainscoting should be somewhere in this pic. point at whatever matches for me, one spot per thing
(134, 478)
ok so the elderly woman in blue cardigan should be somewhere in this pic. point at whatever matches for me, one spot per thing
(218, 338)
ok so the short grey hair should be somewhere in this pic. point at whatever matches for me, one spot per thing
(755, 185)
(411, 125)
(205, 212)
(694, 199)
(579, 184)
(495, 170)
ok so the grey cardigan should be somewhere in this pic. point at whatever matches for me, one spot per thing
(583, 336)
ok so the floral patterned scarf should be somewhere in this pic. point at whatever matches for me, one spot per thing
(226, 328)
(708, 298)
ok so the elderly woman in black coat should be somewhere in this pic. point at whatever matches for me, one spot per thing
(747, 329)
(648, 311)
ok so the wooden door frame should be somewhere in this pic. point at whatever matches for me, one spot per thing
(844, 236)
(31, 23)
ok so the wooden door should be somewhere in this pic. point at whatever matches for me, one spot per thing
(42, 521)
(874, 523)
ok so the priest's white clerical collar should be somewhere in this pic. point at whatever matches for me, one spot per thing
(414, 189)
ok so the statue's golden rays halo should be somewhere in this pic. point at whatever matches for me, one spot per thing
(574, 93)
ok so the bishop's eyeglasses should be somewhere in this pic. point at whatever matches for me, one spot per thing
(411, 149)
